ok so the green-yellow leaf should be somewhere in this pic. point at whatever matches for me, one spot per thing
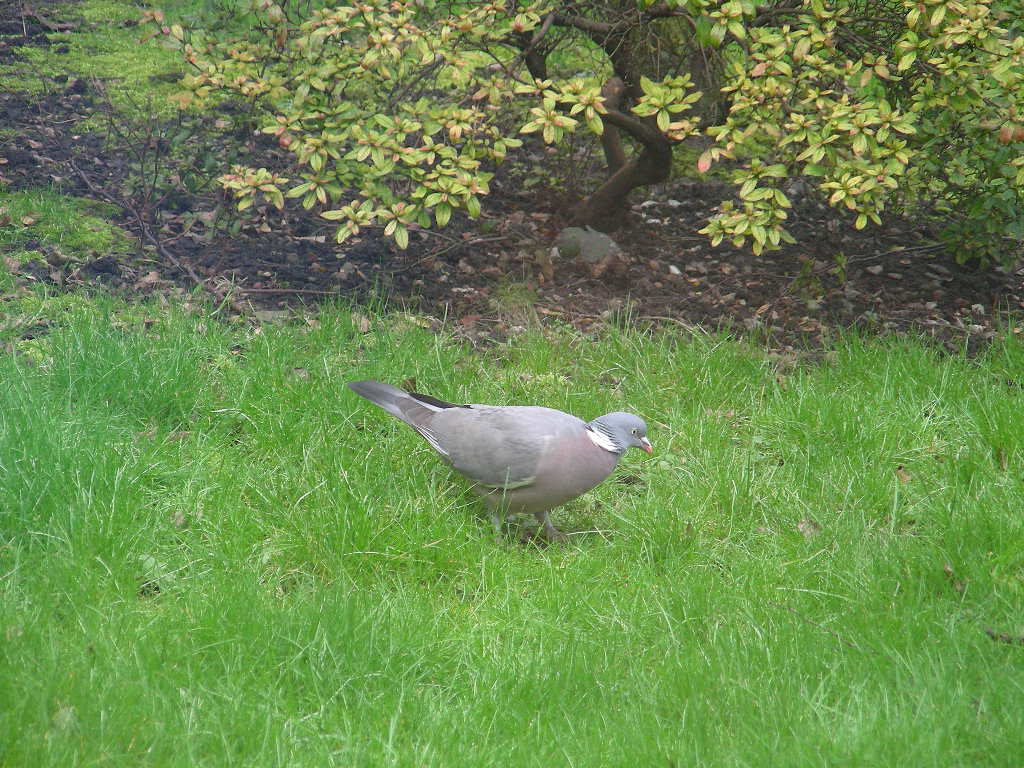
(401, 237)
(442, 213)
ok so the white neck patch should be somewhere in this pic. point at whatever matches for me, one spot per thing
(601, 440)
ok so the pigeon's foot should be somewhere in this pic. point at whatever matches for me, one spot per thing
(549, 531)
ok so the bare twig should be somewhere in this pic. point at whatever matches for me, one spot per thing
(676, 320)
(1005, 637)
(457, 243)
(529, 50)
(399, 94)
(544, 309)
(29, 13)
(147, 233)
(310, 291)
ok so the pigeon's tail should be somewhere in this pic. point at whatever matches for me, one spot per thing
(412, 408)
(395, 401)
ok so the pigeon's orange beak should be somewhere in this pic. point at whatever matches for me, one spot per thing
(646, 445)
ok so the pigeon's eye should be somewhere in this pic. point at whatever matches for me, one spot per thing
(634, 430)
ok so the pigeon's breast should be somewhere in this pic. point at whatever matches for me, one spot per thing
(568, 469)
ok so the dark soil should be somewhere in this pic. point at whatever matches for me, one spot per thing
(486, 273)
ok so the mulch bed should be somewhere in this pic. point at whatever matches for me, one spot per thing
(895, 277)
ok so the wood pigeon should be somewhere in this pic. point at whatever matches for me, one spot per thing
(521, 459)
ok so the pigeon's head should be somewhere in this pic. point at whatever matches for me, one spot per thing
(623, 430)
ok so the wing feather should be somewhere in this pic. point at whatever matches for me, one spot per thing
(500, 447)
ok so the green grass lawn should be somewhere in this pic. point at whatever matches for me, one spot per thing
(213, 554)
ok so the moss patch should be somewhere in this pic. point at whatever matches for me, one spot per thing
(100, 47)
(107, 11)
(35, 219)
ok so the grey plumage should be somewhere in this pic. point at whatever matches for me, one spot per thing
(522, 459)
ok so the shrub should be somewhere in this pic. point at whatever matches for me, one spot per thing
(396, 111)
